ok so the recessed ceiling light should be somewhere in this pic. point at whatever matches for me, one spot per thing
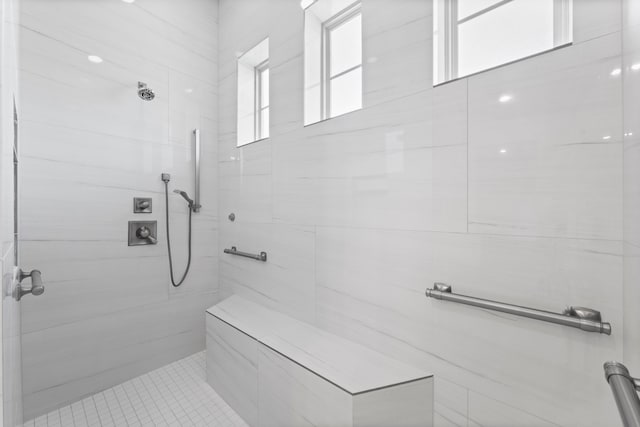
(505, 98)
(606, 137)
(503, 151)
(616, 72)
(128, 1)
(94, 58)
(636, 66)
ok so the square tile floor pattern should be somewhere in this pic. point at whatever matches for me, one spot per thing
(174, 395)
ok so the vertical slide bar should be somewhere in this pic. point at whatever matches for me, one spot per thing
(196, 204)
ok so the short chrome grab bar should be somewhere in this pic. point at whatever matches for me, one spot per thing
(624, 388)
(37, 288)
(576, 317)
(262, 256)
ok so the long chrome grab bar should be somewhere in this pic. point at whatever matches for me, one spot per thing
(577, 317)
(624, 388)
(262, 256)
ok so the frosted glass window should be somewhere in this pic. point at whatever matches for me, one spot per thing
(346, 92)
(333, 59)
(264, 88)
(345, 46)
(253, 94)
(513, 31)
(476, 35)
(469, 7)
(262, 101)
(264, 119)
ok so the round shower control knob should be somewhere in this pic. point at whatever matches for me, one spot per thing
(143, 232)
(144, 204)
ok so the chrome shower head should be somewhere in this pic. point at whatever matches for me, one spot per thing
(144, 92)
(184, 196)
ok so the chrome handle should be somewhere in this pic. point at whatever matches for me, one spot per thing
(624, 387)
(262, 256)
(37, 287)
(576, 317)
(145, 233)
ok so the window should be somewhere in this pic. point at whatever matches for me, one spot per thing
(253, 94)
(476, 35)
(333, 59)
(262, 101)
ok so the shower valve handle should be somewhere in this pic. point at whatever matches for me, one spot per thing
(145, 233)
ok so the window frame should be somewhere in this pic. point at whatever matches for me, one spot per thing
(259, 127)
(341, 18)
(448, 23)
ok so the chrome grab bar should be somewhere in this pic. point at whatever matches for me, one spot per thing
(37, 287)
(576, 317)
(624, 388)
(262, 256)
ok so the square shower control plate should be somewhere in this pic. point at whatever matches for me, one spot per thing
(143, 233)
(142, 204)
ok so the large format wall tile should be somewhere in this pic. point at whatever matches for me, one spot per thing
(392, 192)
(631, 94)
(89, 145)
(286, 281)
(549, 161)
(370, 288)
(66, 362)
(393, 174)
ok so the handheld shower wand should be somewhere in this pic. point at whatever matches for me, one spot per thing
(186, 197)
(166, 178)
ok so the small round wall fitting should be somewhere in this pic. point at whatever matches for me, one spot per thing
(232, 217)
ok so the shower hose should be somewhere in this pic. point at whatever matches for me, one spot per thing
(186, 271)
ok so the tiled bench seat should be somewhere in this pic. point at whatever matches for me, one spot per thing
(277, 371)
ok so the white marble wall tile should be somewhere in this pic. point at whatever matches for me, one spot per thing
(631, 91)
(405, 405)
(291, 396)
(384, 306)
(286, 281)
(346, 172)
(548, 162)
(90, 145)
(247, 196)
(451, 403)
(120, 345)
(355, 368)
(400, 163)
(595, 18)
(232, 367)
(484, 411)
(396, 38)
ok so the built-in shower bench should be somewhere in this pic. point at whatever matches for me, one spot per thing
(277, 371)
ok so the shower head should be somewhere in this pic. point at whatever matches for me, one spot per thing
(184, 196)
(144, 92)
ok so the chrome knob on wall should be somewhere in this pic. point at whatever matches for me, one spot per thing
(145, 233)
